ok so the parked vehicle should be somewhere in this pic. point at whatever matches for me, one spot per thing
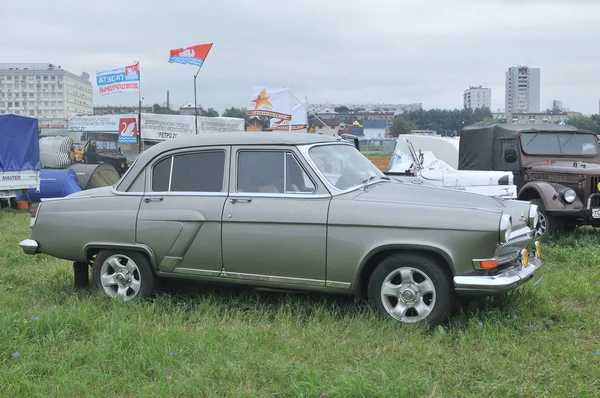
(19, 156)
(98, 151)
(555, 167)
(430, 170)
(289, 211)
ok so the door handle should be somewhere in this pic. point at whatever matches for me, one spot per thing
(247, 200)
(148, 200)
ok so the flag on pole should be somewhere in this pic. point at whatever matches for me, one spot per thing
(194, 55)
(299, 119)
(271, 102)
(562, 122)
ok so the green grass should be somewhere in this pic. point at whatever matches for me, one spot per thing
(195, 341)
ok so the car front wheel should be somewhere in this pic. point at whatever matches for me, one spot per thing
(123, 275)
(412, 288)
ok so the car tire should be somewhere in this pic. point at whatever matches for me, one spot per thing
(123, 275)
(412, 288)
(548, 225)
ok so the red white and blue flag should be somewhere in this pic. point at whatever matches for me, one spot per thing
(194, 55)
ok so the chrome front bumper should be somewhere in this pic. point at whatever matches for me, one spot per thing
(502, 282)
(29, 246)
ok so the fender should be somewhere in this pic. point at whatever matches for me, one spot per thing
(132, 247)
(549, 194)
(366, 266)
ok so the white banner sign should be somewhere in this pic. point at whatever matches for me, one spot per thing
(159, 127)
(209, 125)
(156, 127)
(98, 123)
(271, 102)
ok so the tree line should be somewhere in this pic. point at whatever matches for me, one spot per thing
(443, 121)
(210, 112)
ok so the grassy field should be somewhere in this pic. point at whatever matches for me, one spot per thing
(195, 341)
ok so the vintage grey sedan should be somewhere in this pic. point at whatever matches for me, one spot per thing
(289, 211)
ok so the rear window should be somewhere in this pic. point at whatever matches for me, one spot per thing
(190, 172)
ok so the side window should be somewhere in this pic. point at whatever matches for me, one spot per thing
(296, 179)
(260, 171)
(161, 174)
(190, 172)
(198, 172)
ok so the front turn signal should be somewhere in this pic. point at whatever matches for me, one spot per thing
(525, 257)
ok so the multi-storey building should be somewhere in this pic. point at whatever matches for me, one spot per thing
(44, 91)
(522, 90)
(477, 97)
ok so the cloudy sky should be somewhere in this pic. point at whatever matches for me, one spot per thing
(392, 51)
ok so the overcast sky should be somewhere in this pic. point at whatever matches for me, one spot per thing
(392, 51)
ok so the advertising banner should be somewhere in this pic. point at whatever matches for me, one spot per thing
(159, 127)
(123, 79)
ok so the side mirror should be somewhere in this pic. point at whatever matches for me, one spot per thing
(510, 155)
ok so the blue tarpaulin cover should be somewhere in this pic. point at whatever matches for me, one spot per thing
(19, 144)
(53, 184)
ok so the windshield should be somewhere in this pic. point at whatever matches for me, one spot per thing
(106, 145)
(574, 143)
(344, 166)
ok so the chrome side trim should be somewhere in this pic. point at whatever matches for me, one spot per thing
(168, 264)
(29, 246)
(279, 195)
(338, 285)
(280, 279)
(223, 194)
(196, 271)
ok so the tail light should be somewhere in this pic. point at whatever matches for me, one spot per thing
(33, 213)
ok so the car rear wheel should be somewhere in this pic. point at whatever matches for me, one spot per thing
(123, 275)
(412, 288)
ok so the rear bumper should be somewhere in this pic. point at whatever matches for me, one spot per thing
(506, 280)
(29, 246)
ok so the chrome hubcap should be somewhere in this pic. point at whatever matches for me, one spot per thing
(542, 225)
(120, 277)
(408, 294)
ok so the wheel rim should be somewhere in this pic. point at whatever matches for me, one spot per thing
(542, 226)
(120, 277)
(408, 295)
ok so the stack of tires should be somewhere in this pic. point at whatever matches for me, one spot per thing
(54, 152)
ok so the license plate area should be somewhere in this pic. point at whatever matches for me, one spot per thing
(595, 213)
(7, 194)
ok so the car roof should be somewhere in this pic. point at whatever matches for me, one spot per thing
(245, 138)
(229, 138)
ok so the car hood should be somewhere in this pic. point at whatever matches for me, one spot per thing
(398, 192)
(580, 167)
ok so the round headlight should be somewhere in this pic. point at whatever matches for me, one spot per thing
(505, 228)
(569, 196)
(533, 218)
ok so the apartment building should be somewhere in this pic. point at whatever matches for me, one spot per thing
(477, 97)
(45, 91)
(522, 88)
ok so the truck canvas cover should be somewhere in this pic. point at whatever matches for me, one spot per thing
(476, 148)
(19, 145)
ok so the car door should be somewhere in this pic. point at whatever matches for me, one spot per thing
(275, 218)
(180, 213)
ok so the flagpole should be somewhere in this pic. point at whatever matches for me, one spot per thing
(318, 118)
(195, 101)
(139, 107)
